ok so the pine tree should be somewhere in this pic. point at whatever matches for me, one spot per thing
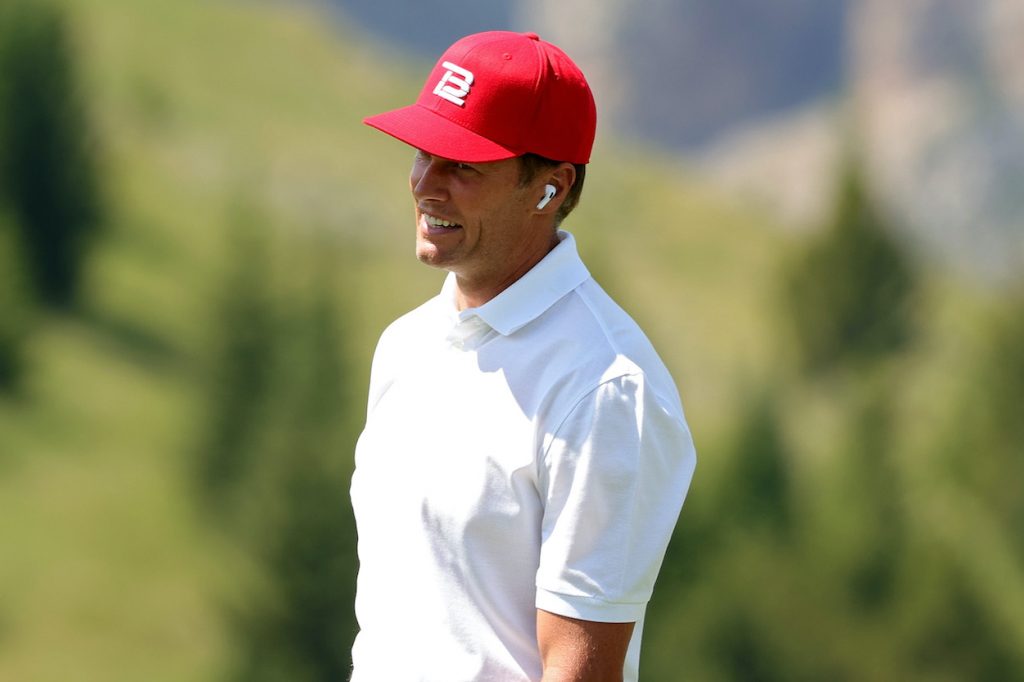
(755, 494)
(849, 295)
(275, 462)
(241, 390)
(304, 628)
(48, 169)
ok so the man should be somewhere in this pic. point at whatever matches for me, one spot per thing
(525, 455)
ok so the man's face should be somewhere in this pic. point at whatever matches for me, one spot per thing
(476, 220)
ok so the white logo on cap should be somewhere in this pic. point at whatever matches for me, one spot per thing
(454, 84)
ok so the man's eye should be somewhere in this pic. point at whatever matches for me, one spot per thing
(463, 166)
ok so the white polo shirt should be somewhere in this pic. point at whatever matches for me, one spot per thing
(529, 453)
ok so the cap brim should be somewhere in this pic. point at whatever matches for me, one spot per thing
(425, 129)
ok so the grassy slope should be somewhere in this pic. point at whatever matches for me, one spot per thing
(107, 571)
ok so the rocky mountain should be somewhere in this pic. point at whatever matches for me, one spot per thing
(938, 93)
(934, 104)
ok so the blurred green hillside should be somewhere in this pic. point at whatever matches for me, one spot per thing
(242, 192)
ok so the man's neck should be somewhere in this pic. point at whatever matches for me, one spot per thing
(474, 291)
(470, 295)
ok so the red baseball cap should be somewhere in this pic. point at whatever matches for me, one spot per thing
(497, 95)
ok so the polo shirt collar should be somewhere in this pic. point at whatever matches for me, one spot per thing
(558, 273)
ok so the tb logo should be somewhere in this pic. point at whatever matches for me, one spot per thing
(454, 84)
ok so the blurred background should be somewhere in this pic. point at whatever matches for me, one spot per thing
(813, 207)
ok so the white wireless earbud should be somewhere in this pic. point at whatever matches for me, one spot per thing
(549, 194)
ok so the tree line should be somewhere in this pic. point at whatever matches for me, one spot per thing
(815, 554)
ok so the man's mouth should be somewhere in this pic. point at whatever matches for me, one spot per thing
(434, 221)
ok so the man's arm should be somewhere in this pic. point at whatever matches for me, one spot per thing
(573, 650)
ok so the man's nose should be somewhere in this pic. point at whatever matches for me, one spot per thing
(427, 181)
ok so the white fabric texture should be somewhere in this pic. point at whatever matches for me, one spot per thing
(529, 453)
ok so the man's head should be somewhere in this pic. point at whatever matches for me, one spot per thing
(501, 116)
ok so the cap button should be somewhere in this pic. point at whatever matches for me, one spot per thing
(532, 36)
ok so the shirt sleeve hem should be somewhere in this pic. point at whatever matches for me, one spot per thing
(589, 608)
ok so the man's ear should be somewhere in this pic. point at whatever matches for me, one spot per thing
(560, 179)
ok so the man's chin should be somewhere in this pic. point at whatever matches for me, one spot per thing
(428, 254)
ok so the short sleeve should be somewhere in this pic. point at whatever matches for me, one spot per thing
(613, 479)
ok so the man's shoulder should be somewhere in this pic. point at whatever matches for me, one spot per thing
(603, 326)
(594, 340)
